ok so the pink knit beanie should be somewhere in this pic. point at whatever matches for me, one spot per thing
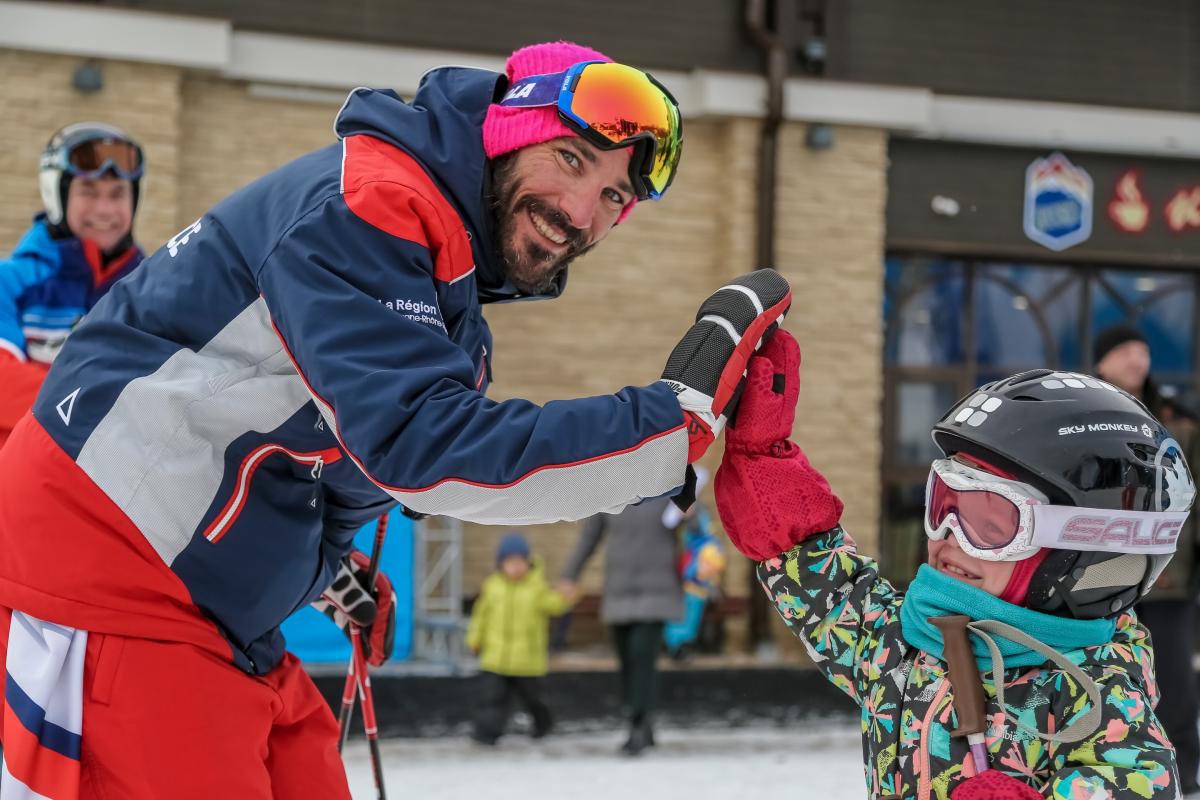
(506, 128)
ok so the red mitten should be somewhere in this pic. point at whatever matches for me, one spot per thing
(994, 785)
(769, 497)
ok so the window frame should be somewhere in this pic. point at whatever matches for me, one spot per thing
(895, 475)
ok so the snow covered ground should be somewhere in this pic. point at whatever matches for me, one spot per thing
(817, 758)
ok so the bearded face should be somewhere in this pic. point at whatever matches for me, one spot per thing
(551, 203)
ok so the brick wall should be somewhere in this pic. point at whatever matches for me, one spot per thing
(231, 137)
(627, 302)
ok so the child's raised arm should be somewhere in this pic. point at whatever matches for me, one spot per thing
(780, 511)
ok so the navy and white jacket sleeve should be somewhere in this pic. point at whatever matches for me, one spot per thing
(400, 393)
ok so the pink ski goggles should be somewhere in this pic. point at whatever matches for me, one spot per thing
(998, 519)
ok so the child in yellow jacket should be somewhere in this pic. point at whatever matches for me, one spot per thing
(510, 631)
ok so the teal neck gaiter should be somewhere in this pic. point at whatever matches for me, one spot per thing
(934, 594)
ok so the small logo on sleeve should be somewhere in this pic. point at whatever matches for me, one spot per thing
(416, 311)
(66, 406)
(180, 239)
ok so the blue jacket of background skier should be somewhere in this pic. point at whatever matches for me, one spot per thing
(48, 284)
(303, 356)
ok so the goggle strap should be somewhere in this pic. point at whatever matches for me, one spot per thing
(1108, 530)
(536, 91)
(107, 167)
(554, 89)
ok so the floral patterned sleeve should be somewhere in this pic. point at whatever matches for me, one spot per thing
(834, 600)
(1128, 758)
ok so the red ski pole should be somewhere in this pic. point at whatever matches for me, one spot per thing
(357, 676)
(347, 709)
(363, 676)
(368, 711)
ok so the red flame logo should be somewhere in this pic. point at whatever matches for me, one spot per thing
(1183, 210)
(1128, 209)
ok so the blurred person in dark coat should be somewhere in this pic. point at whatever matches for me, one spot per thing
(642, 592)
(1122, 357)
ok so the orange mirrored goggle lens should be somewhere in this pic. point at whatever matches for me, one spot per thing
(620, 103)
(89, 157)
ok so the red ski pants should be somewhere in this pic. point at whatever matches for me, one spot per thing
(162, 719)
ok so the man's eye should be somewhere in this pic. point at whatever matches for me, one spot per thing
(615, 197)
(569, 157)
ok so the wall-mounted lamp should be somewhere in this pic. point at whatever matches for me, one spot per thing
(818, 136)
(88, 78)
(944, 206)
(814, 52)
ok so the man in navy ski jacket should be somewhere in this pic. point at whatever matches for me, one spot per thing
(301, 358)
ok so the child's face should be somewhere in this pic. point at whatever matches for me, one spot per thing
(100, 209)
(514, 567)
(992, 576)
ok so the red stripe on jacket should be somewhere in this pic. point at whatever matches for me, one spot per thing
(240, 493)
(390, 190)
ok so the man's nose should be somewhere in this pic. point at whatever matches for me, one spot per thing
(579, 205)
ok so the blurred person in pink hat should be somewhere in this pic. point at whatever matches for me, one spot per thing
(304, 356)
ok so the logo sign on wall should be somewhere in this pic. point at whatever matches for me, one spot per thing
(1058, 203)
(1128, 208)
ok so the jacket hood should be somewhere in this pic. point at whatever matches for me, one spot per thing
(442, 127)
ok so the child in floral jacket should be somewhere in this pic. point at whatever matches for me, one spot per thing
(1053, 511)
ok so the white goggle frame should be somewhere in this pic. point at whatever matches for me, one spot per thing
(1041, 524)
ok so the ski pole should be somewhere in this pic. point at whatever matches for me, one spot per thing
(347, 709)
(368, 711)
(969, 701)
(377, 551)
(346, 712)
(364, 677)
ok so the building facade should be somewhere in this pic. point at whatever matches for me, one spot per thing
(894, 115)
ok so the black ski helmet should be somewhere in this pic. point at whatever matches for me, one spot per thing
(55, 175)
(1082, 442)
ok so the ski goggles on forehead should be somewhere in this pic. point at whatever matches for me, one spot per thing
(997, 519)
(95, 157)
(611, 106)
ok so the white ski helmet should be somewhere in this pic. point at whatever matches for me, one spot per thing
(87, 149)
